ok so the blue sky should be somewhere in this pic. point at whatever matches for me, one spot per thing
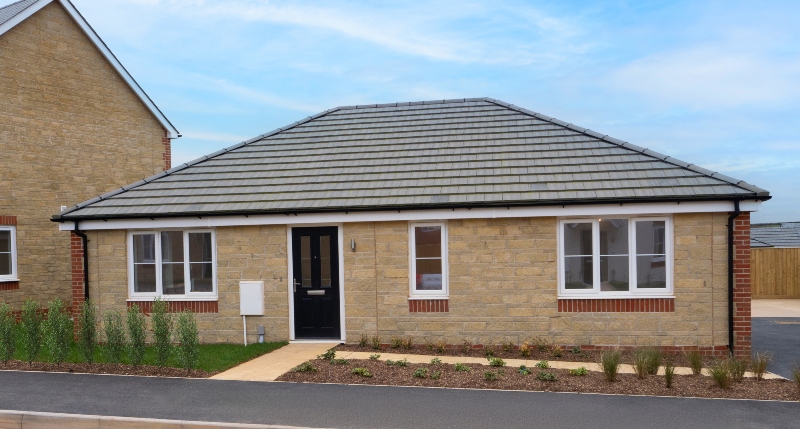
(715, 83)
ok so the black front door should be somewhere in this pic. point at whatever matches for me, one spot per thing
(315, 253)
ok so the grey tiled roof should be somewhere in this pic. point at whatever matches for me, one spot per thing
(465, 152)
(12, 10)
(786, 234)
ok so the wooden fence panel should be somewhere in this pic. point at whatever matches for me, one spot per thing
(775, 273)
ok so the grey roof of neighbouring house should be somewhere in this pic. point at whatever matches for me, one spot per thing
(12, 10)
(434, 154)
(785, 234)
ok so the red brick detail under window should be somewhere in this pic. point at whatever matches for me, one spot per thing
(617, 305)
(9, 285)
(8, 220)
(428, 306)
(178, 306)
(741, 286)
(76, 261)
(167, 151)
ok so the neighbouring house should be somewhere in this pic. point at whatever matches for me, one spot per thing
(775, 260)
(451, 220)
(73, 124)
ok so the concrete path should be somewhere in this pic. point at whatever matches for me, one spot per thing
(775, 308)
(272, 365)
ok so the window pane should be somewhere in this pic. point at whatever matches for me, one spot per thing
(144, 248)
(578, 272)
(428, 241)
(614, 273)
(5, 241)
(578, 239)
(651, 272)
(5, 264)
(614, 237)
(325, 260)
(172, 279)
(200, 247)
(429, 274)
(172, 246)
(305, 260)
(650, 237)
(202, 277)
(144, 278)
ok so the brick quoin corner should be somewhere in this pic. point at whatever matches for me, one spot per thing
(76, 261)
(742, 326)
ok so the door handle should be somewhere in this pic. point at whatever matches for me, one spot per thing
(296, 283)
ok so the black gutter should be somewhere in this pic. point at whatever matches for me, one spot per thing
(85, 239)
(731, 282)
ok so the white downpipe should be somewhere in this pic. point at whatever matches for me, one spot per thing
(244, 322)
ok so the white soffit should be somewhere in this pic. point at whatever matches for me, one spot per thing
(413, 215)
(172, 132)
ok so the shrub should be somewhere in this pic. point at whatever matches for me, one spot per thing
(760, 362)
(363, 341)
(555, 350)
(576, 350)
(374, 357)
(466, 346)
(162, 331)
(461, 367)
(407, 344)
(640, 363)
(8, 341)
(524, 350)
(340, 362)
(87, 330)
(421, 373)
(441, 346)
(188, 341)
(58, 331)
(609, 362)
(436, 361)
(524, 370)
(738, 368)
(654, 358)
(493, 361)
(328, 355)
(490, 376)
(796, 376)
(542, 364)
(305, 367)
(720, 372)
(115, 336)
(435, 375)
(428, 344)
(31, 330)
(508, 346)
(363, 372)
(546, 376)
(578, 372)
(489, 351)
(136, 334)
(376, 342)
(695, 361)
(402, 362)
(541, 344)
(395, 342)
(669, 373)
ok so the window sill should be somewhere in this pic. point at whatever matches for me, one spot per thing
(616, 297)
(172, 299)
(417, 298)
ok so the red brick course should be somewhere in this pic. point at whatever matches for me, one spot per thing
(76, 261)
(428, 306)
(167, 151)
(741, 286)
(617, 305)
(8, 220)
(9, 285)
(178, 306)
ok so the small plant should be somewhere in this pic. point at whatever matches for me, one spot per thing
(402, 362)
(541, 344)
(489, 351)
(31, 329)
(490, 375)
(8, 342)
(524, 350)
(461, 368)
(542, 364)
(87, 330)
(796, 376)
(576, 350)
(363, 341)
(376, 342)
(466, 346)
(524, 370)
(669, 373)
(640, 363)
(738, 368)
(330, 354)
(137, 335)
(496, 362)
(363, 372)
(162, 331)
(115, 336)
(441, 346)
(305, 367)
(435, 375)
(579, 372)
(509, 346)
(188, 340)
(58, 331)
(374, 357)
(546, 376)
(695, 361)
(609, 362)
(395, 342)
(759, 363)
(421, 373)
(407, 344)
(429, 345)
(720, 372)
(555, 351)
(340, 362)
(436, 361)
(653, 359)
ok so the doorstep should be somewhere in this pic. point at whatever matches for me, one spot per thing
(272, 365)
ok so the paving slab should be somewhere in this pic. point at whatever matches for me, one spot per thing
(272, 365)
(775, 308)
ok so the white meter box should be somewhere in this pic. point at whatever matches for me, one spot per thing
(251, 298)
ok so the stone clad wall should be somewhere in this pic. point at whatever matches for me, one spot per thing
(70, 129)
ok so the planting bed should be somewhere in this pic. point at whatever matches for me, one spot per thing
(105, 368)
(510, 379)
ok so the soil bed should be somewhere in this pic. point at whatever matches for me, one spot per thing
(510, 379)
(105, 368)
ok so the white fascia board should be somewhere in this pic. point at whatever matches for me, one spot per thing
(414, 215)
(101, 46)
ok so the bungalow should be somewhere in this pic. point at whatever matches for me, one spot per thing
(452, 220)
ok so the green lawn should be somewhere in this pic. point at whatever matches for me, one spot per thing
(213, 357)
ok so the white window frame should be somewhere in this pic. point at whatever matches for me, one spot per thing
(13, 277)
(412, 264)
(188, 296)
(634, 290)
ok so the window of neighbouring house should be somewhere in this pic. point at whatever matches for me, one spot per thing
(8, 253)
(616, 256)
(174, 263)
(428, 259)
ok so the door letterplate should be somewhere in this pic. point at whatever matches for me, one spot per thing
(316, 292)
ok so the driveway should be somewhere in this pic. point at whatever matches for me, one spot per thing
(781, 337)
(317, 405)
